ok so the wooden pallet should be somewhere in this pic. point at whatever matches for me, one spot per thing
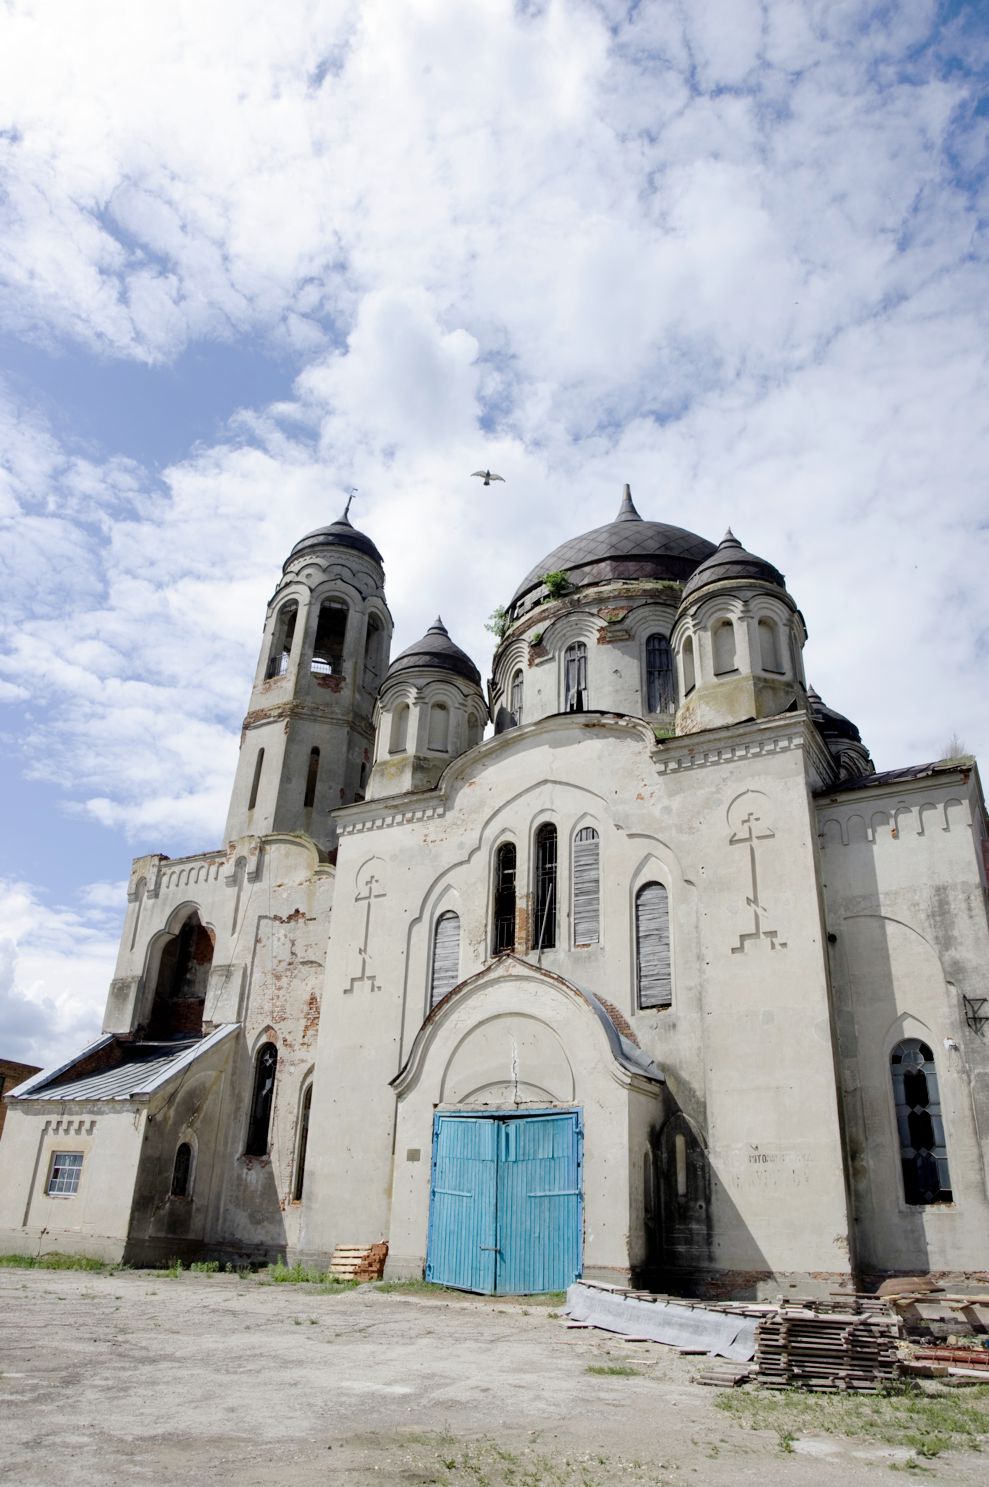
(361, 1262)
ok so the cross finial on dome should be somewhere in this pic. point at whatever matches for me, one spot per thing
(627, 511)
(346, 510)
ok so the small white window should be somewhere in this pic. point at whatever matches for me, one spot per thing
(63, 1180)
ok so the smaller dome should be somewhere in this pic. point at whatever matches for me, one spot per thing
(340, 533)
(435, 652)
(730, 562)
(830, 724)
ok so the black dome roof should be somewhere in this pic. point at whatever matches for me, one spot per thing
(731, 561)
(338, 534)
(831, 724)
(437, 652)
(627, 547)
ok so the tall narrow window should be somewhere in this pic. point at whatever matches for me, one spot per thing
(516, 698)
(281, 645)
(544, 929)
(182, 1170)
(918, 1117)
(261, 1100)
(372, 650)
(769, 646)
(504, 899)
(399, 729)
(311, 777)
(724, 647)
(661, 687)
(446, 957)
(256, 781)
(689, 675)
(331, 632)
(575, 678)
(439, 727)
(300, 1155)
(654, 984)
(586, 887)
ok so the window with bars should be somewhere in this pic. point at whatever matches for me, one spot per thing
(586, 887)
(544, 928)
(654, 982)
(516, 698)
(923, 1153)
(64, 1174)
(504, 898)
(661, 687)
(575, 678)
(446, 957)
(265, 1066)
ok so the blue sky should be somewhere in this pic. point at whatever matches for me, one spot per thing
(732, 253)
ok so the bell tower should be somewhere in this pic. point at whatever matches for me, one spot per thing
(308, 738)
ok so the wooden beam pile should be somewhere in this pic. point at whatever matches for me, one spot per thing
(845, 1345)
(361, 1262)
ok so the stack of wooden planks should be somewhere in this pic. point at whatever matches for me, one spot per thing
(849, 1344)
(361, 1262)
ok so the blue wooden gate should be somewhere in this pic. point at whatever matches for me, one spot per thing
(505, 1205)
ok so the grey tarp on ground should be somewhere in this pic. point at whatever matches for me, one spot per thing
(720, 1333)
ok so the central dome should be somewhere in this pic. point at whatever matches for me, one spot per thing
(627, 547)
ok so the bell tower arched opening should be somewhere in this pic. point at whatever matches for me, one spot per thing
(180, 987)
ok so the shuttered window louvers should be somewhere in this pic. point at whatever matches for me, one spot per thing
(446, 957)
(586, 887)
(652, 946)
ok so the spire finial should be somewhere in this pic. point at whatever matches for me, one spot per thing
(346, 509)
(627, 511)
(438, 624)
(729, 539)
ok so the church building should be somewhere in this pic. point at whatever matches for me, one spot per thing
(628, 966)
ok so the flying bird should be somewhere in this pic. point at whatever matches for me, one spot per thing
(486, 476)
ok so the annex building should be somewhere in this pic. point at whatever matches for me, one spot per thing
(654, 977)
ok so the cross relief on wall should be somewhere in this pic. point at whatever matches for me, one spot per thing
(747, 818)
(370, 888)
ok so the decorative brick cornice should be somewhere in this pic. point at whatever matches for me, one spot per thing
(396, 816)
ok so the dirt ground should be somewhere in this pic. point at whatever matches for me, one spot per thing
(142, 1377)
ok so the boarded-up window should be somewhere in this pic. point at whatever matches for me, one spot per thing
(652, 946)
(689, 677)
(331, 632)
(923, 1153)
(399, 729)
(439, 727)
(504, 899)
(446, 957)
(586, 887)
(724, 647)
(575, 678)
(545, 925)
(769, 646)
(261, 1101)
(661, 690)
(516, 698)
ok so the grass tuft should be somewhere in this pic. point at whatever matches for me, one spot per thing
(56, 1261)
(614, 1370)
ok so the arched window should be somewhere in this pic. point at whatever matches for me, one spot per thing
(544, 928)
(281, 644)
(586, 887)
(439, 727)
(398, 742)
(311, 778)
(331, 632)
(183, 976)
(302, 1144)
(769, 646)
(446, 957)
(372, 649)
(661, 687)
(516, 698)
(504, 899)
(689, 675)
(654, 984)
(575, 678)
(724, 647)
(473, 731)
(261, 1101)
(256, 781)
(182, 1170)
(918, 1117)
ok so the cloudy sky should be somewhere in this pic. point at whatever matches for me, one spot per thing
(731, 252)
